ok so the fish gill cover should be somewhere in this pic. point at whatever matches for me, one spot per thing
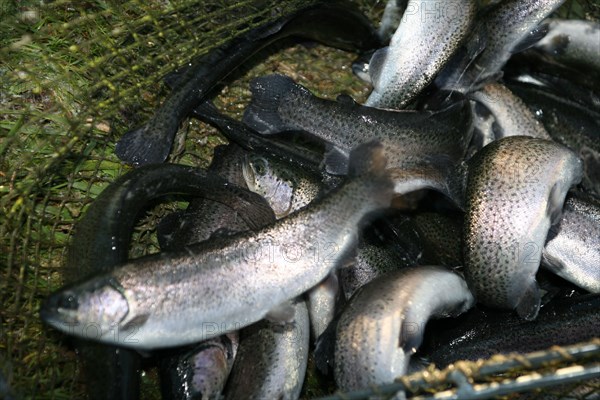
(76, 75)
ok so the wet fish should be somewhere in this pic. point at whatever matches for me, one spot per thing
(203, 217)
(382, 326)
(199, 371)
(483, 128)
(573, 42)
(572, 249)
(337, 24)
(286, 188)
(511, 114)
(272, 359)
(321, 302)
(441, 235)
(377, 256)
(209, 289)
(421, 146)
(502, 29)
(101, 242)
(516, 189)
(568, 123)
(481, 334)
(303, 157)
(428, 35)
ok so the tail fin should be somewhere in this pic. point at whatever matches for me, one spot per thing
(268, 92)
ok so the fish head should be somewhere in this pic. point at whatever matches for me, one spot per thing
(272, 181)
(90, 310)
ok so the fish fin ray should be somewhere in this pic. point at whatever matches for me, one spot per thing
(137, 147)
(268, 92)
(136, 322)
(529, 304)
(282, 314)
(531, 39)
(376, 66)
(336, 161)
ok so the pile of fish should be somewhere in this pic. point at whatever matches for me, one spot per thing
(343, 228)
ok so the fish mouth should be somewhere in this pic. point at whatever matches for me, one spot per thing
(60, 308)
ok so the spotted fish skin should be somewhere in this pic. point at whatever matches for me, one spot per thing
(382, 326)
(482, 334)
(421, 146)
(428, 34)
(516, 188)
(213, 288)
(502, 29)
(572, 250)
(568, 123)
(272, 359)
(512, 116)
(287, 189)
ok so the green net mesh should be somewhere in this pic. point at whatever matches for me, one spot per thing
(74, 77)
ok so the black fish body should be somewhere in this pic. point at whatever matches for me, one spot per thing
(481, 334)
(338, 24)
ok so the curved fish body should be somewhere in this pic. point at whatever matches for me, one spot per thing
(200, 371)
(572, 250)
(101, 242)
(503, 28)
(516, 189)
(291, 153)
(213, 288)
(338, 24)
(272, 359)
(203, 217)
(428, 35)
(481, 335)
(382, 325)
(573, 42)
(286, 189)
(423, 146)
(511, 114)
(568, 123)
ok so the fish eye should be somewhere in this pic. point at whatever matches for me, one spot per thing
(260, 166)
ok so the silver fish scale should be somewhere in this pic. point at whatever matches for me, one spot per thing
(514, 186)
(573, 247)
(421, 46)
(511, 113)
(271, 362)
(384, 320)
(502, 27)
(224, 283)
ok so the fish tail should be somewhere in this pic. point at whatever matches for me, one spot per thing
(268, 92)
(138, 147)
